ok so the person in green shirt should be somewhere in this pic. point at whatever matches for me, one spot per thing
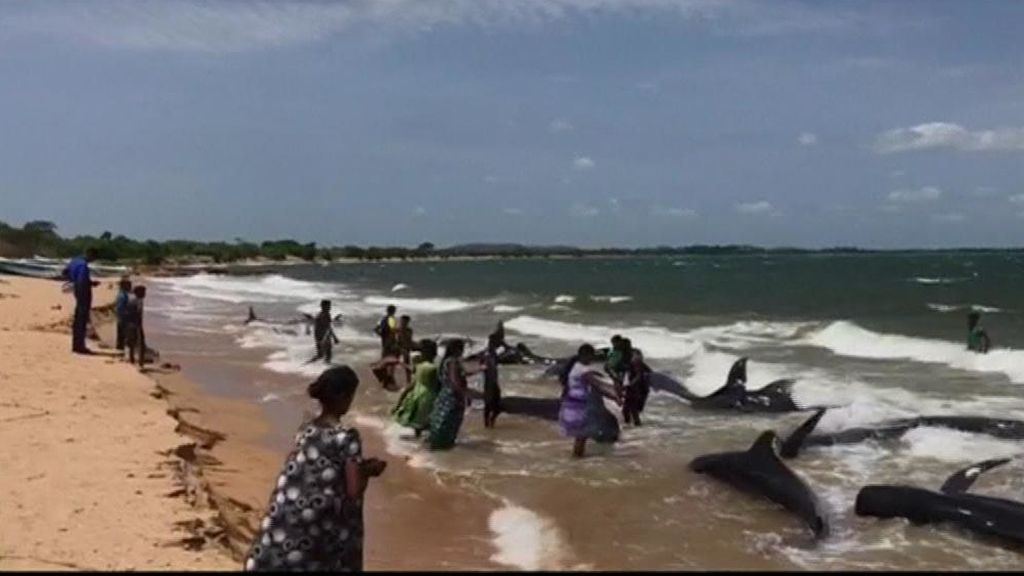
(977, 338)
(417, 400)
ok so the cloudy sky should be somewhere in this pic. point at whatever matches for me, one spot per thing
(592, 122)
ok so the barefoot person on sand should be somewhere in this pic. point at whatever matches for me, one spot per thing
(134, 334)
(580, 415)
(124, 292)
(314, 520)
(78, 274)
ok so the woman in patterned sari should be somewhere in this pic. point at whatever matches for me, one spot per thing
(450, 405)
(314, 520)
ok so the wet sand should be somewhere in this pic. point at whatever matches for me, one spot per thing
(412, 520)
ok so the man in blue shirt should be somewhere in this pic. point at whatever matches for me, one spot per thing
(77, 272)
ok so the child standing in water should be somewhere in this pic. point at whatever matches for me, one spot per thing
(977, 337)
(492, 392)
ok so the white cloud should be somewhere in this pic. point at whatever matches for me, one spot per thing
(419, 211)
(560, 125)
(761, 207)
(948, 135)
(673, 212)
(915, 195)
(1017, 198)
(949, 218)
(807, 139)
(583, 163)
(513, 212)
(897, 174)
(647, 86)
(233, 25)
(491, 179)
(984, 191)
(579, 210)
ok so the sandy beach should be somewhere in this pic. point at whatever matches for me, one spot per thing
(84, 437)
(83, 442)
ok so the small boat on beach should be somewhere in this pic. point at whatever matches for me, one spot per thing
(27, 267)
(52, 269)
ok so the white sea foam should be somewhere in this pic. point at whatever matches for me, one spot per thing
(947, 308)
(504, 308)
(526, 540)
(250, 289)
(399, 287)
(611, 299)
(424, 305)
(655, 342)
(564, 299)
(932, 281)
(848, 339)
(955, 446)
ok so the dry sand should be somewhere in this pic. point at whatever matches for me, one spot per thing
(87, 451)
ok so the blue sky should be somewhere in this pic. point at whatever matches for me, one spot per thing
(591, 122)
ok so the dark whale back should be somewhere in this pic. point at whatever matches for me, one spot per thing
(759, 470)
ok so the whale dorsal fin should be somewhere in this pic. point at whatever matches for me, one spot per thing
(764, 445)
(963, 479)
(791, 446)
(736, 379)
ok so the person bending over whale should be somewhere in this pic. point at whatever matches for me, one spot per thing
(582, 411)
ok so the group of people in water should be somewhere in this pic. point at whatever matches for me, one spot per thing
(314, 518)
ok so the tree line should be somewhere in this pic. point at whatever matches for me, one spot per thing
(40, 238)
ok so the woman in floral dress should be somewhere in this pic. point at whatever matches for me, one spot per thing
(314, 520)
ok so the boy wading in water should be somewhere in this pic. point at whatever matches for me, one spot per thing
(492, 392)
(977, 337)
(134, 335)
(323, 333)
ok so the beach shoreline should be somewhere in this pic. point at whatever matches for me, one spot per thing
(214, 463)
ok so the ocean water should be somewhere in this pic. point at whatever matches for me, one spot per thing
(877, 336)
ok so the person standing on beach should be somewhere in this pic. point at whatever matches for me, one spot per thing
(314, 519)
(977, 338)
(77, 272)
(323, 333)
(450, 406)
(582, 411)
(492, 392)
(123, 293)
(134, 335)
